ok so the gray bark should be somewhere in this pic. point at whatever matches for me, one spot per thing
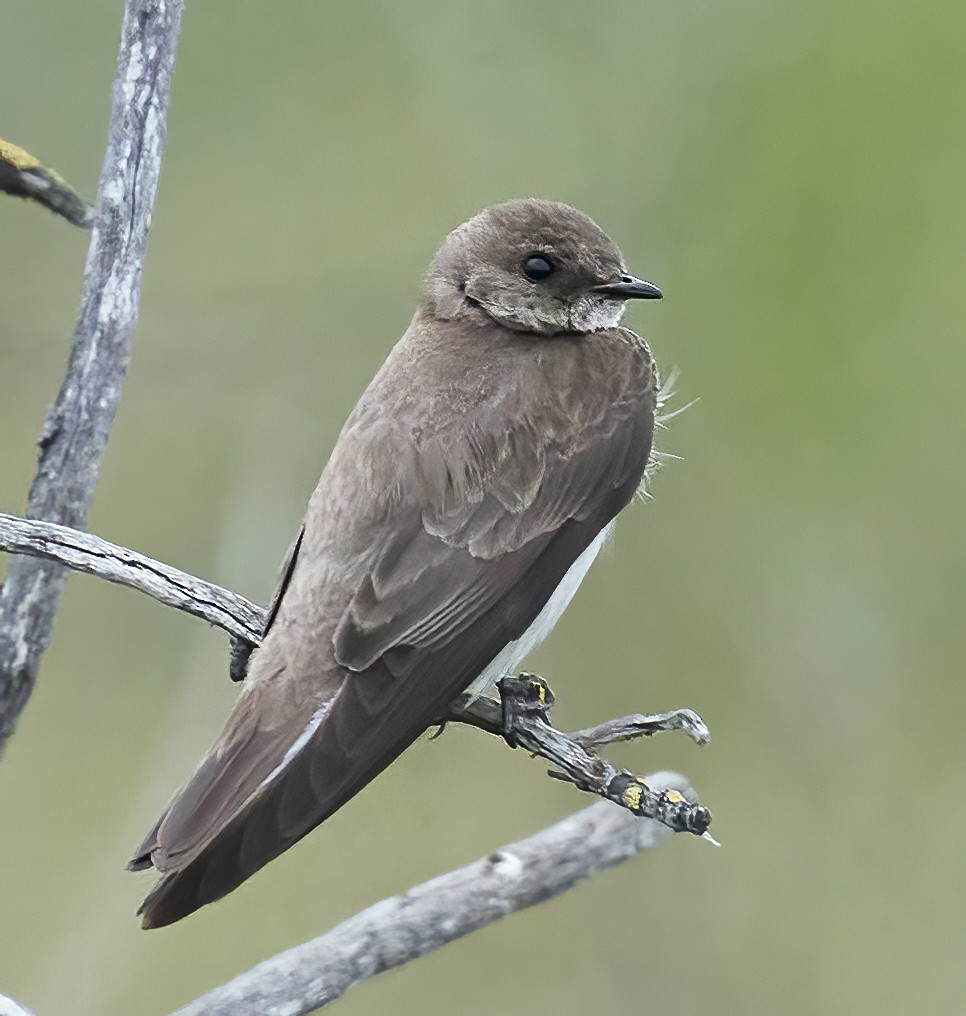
(522, 716)
(94, 556)
(428, 916)
(523, 719)
(75, 435)
(78, 423)
(407, 926)
(22, 175)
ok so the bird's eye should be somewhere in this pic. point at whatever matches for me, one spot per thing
(537, 267)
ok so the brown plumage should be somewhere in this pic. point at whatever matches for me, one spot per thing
(506, 429)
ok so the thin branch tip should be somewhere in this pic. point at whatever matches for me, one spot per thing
(78, 423)
(403, 928)
(522, 718)
(72, 443)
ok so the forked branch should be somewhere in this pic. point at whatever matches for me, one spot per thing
(79, 420)
(396, 930)
(405, 927)
(428, 916)
(522, 718)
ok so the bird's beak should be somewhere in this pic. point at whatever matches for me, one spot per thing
(627, 287)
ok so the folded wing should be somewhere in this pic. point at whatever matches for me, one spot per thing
(465, 558)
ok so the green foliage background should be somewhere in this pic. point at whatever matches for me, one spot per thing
(792, 175)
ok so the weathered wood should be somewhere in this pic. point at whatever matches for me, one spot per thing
(87, 553)
(78, 423)
(24, 176)
(75, 434)
(405, 927)
(521, 718)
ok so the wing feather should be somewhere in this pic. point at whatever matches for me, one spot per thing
(438, 548)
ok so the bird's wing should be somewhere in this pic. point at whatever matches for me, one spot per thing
(284, 577)
(241, 650)
(438, 572)
(497, 503)
(462, 565)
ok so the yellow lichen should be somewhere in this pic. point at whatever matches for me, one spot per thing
(17, 157)
(632, 797)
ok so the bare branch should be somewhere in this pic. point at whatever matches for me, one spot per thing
(94, 556)
(522, 717)
(25, 176)
(407, 926)
(78, 423)
(72, 444)
(629, 728)
(487, 714)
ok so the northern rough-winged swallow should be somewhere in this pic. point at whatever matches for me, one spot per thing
(467, 495)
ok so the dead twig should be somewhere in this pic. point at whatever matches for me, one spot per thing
(405, 927)
(78, 423)
(522, 718)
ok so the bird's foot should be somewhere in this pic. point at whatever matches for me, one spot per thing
(526, 699)
(522, 718)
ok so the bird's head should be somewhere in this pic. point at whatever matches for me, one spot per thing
(533, 266)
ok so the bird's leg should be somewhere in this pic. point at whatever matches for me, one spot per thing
(522, 719)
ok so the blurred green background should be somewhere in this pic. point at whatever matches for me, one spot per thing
(792, 176)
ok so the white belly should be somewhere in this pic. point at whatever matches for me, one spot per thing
(511, 656)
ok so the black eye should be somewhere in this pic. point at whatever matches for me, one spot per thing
(537, 267)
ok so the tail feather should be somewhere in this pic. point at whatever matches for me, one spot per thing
(337, 761)
(209, 877)
(142, 856)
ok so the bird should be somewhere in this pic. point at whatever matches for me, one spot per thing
(468, 493)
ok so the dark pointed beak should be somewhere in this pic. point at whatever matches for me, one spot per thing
(627, 287)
